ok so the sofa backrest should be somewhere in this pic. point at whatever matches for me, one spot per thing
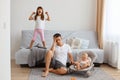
(89, 35)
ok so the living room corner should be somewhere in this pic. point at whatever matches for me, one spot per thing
(85, 25)
(81, 21)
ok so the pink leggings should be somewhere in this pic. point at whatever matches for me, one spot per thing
(41, 33)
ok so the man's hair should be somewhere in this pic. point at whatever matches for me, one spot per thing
(57, 35)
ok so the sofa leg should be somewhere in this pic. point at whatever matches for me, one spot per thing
(23, 65)
(41, 65)
(97, 64)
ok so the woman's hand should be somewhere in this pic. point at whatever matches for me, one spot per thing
(31, 16)
(48, 18)
(46, 13)
(33, 13)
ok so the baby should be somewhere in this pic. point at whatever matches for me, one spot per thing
(83, 61)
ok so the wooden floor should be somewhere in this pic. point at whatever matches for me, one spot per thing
(18, 73)
(115, 73)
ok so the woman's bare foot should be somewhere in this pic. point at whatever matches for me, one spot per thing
(44, 74)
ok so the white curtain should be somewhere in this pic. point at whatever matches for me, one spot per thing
(111, 26)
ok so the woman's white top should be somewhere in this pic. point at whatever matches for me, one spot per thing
(39, 24)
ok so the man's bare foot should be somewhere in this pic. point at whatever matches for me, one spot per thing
(44, 74)
(43, 70)
(49, 69)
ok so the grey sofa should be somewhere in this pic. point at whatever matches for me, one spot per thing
(21, 56)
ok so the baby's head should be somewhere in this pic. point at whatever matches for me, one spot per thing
(84, 56)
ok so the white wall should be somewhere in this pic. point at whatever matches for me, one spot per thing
(5, 40)
(65, 15)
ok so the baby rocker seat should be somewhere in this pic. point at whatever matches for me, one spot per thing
(85, 71)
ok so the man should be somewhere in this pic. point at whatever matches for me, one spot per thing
(57, 56)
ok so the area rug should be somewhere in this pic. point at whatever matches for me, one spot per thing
(97, 74)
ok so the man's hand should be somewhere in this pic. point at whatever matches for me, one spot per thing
(72, 62)
(71, 58)
(53, 44)
(75, 63)
(54, 41)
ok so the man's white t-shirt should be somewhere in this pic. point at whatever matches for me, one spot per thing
(61, 53)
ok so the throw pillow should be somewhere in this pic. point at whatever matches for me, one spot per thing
(84, 44)
(78, 43)
(69, 41)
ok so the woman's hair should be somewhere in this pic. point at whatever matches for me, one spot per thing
(42, 15)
